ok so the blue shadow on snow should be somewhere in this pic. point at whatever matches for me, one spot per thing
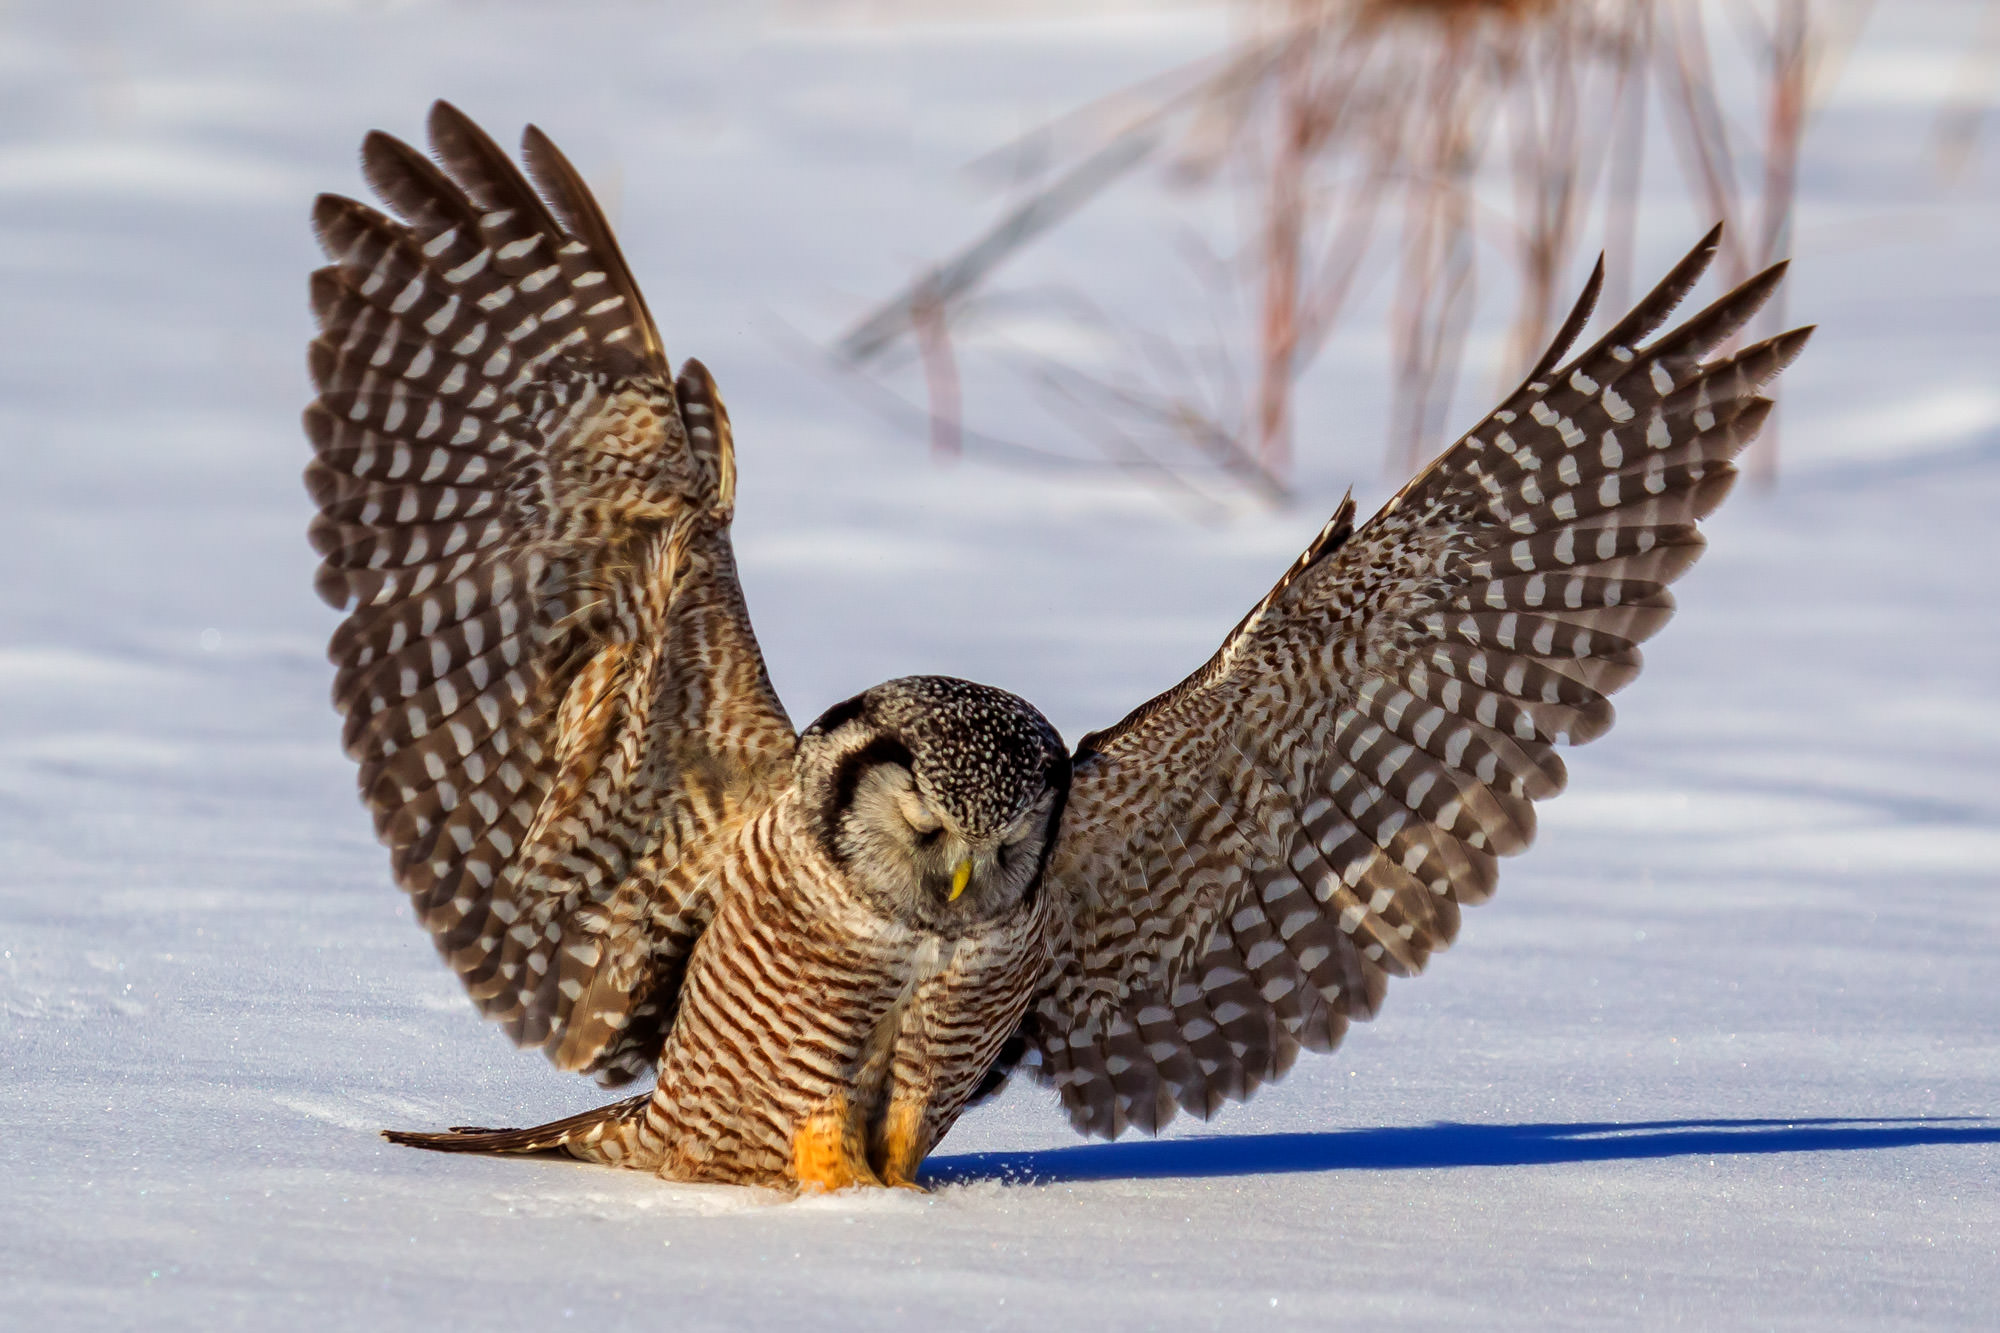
(1447, 1144)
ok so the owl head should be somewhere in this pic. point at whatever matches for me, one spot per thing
(939, 798)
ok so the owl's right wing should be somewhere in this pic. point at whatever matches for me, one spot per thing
(548, 674)
(1246, 859)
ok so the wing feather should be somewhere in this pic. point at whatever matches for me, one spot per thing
(547, 673)
(1250, 856)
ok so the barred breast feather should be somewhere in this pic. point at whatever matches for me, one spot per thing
(1249, 857)
(547, 673)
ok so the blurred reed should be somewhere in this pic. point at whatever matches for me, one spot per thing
(1409, 140)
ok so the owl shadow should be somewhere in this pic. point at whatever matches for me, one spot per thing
(1448, 1144)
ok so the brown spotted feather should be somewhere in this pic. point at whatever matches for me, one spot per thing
(547, 673)
(1249, 857)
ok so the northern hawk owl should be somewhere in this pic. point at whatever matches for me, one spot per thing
(826, 943)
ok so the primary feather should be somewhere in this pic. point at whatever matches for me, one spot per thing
(1251, 855)
(547, 673)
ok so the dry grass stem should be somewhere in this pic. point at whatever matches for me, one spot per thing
(1441, 131)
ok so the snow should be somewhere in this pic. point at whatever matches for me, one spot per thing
(1722, 1052)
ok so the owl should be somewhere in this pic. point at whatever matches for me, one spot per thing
(824, 944)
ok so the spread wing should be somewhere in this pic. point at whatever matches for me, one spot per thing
(1249, 857)
(548, 675)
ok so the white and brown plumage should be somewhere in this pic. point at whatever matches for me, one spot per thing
(828, 943)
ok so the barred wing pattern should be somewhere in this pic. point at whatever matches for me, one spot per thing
(1250, 856)
(548, 676)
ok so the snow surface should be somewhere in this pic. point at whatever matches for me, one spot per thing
(1722, 1052)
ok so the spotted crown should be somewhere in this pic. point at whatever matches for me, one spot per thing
(982, 755)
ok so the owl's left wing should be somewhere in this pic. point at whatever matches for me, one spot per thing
(547, 670)
(1247, 858)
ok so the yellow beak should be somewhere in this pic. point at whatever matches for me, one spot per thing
(961, 875)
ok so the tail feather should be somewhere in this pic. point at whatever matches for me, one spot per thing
(613, 1134)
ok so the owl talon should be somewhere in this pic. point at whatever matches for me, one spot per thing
(902, 1146)
(827, 1152)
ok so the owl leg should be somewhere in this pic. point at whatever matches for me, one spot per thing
(829, 1150)
(903, 1143)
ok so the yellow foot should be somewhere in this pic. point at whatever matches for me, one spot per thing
(827, 1152)
(902, 1147)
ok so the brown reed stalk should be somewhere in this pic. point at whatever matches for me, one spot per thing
(1329, 116)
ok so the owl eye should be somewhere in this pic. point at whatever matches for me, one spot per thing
(918, 815)
(1016, 839)
(1024, 828)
